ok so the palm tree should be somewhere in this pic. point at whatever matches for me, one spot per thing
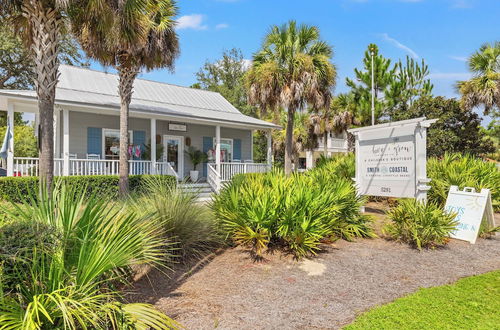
(484, 87)
(304, 137)
(40, 23)
(292, 70)
(135, 35)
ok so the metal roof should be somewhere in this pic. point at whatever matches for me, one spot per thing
(83, 86)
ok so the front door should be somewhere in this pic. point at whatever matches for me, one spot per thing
(173, 153)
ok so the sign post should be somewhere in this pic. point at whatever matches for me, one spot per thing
(391, 159)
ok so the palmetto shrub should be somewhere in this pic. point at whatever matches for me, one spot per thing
(420, 224)
(71, 283)
(463, 171)
(296, 211)
(339, 165)
(191, 225)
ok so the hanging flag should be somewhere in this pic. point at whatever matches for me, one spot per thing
(6, 143)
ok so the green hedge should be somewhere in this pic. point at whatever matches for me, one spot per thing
(16, 188)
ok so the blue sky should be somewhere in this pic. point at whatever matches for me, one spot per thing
(443, 32)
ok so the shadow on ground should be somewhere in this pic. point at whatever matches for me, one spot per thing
(230, 290)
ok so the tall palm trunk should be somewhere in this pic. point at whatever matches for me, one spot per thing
(45, 32)
(127, 76)
(289, 141)
(325, 143)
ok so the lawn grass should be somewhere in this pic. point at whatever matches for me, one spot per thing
(470, 303)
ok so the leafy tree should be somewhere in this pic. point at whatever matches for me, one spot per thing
(226, 76)
(408, 85)
(456, 130)
(396, 86)
(484, 88)
(25, 143)
(493, 134)
(16, 64)
(292, 70)
(129, 35)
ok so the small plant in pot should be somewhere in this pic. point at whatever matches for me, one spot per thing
(197, 157)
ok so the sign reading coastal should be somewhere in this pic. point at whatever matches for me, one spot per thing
(391, 159)
(387, 167)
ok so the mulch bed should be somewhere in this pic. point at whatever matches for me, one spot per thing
(232, 291)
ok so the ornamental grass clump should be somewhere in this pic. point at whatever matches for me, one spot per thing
(422, 225)
(296, 212)
(63, 257)
(462, 171)
(190, 226)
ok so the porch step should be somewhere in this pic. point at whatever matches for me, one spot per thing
(203, 191)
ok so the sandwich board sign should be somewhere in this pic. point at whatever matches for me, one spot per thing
(391, 159)
(471, 209)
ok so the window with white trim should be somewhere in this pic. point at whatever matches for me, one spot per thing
(111, 143)
(226, 150)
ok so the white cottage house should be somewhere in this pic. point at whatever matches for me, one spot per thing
(87, 128)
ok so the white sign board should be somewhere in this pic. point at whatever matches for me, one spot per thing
(387, 167)
(470, 209)
(177, 127)
(391, 159)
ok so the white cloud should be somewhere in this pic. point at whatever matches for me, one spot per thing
(450, 75)
(458, 58)
(194, 21)
(396, 43)
(221, 26)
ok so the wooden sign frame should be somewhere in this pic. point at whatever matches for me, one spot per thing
(391, 159)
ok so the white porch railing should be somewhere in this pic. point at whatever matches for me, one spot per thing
(164, 168)
(334, 143)
(227, 171)
(213, 177)
(28, 166)
(93, 167)
(24, 166)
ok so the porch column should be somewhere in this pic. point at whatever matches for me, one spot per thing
(153, 146)
(57, 133)
(251, 145)
(10, 150)
(217, 148)
(65, 142)
(269, 148)
(309, 159)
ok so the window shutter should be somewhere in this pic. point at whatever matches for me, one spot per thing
(237, 149)
(139, 139)
(208, 143)
(94, 140)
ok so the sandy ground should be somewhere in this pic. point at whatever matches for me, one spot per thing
(232, 291)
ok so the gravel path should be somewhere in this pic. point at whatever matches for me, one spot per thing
(234, 292)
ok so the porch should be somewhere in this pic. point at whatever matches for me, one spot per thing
(164, 120)
(86, 143)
